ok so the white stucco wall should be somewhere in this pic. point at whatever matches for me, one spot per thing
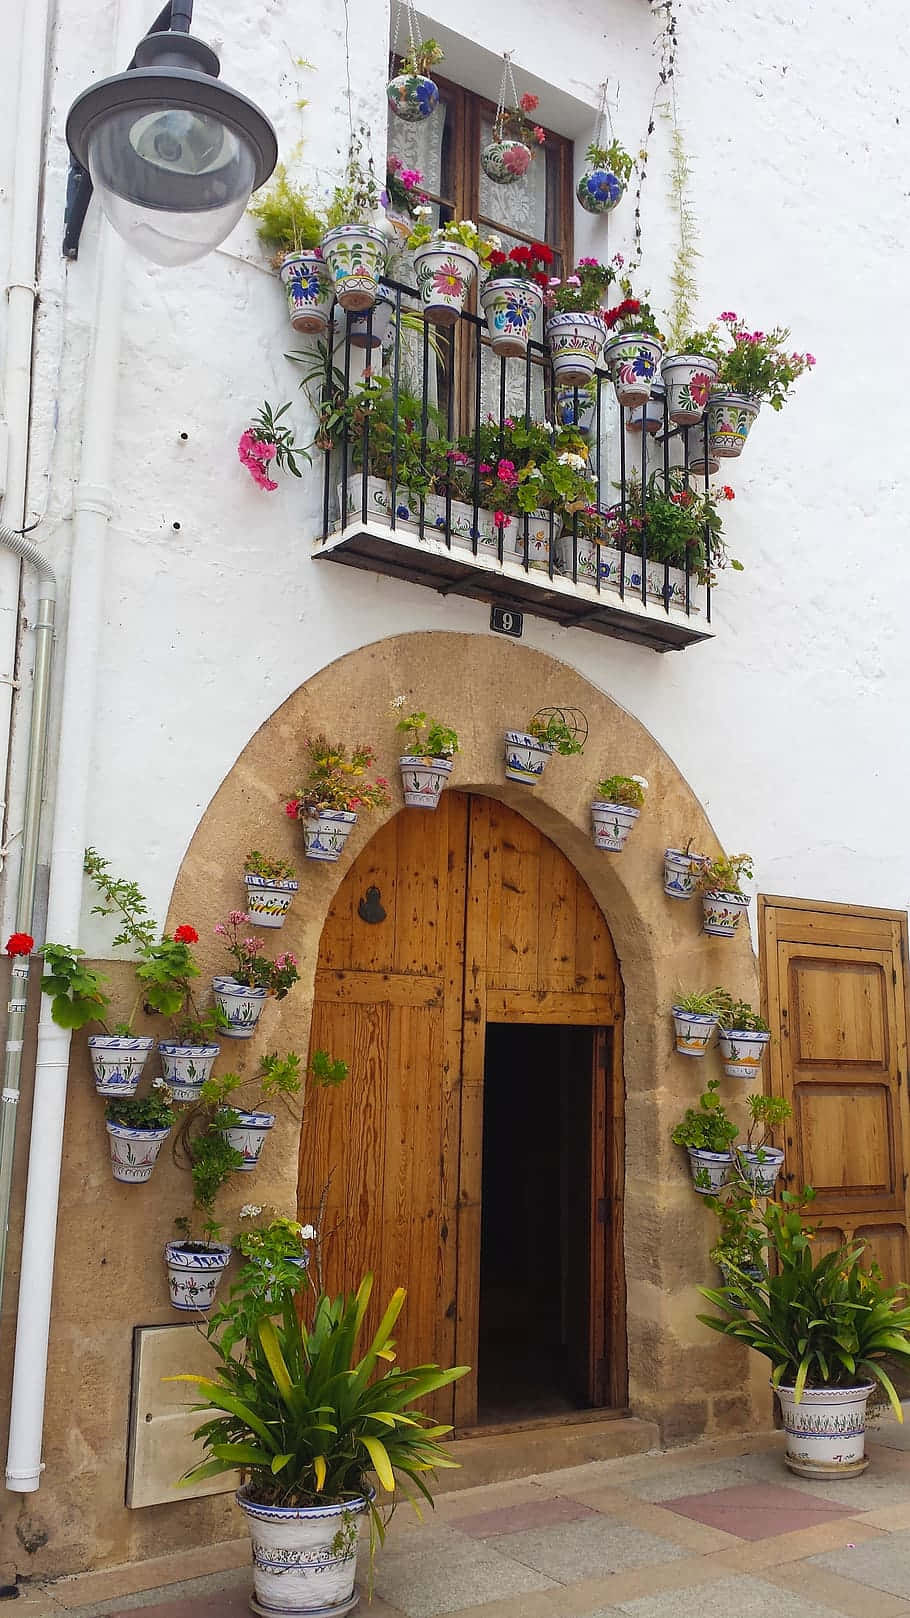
(789, 724)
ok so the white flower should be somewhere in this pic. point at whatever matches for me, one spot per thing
(535, 472)
(568, 459)
(399, 702)
(495, 242)
(250, 1210)
(423, 209)
(307, 1233)
(640, 780)
(467, 224)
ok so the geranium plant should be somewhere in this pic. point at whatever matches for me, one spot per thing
(726, 873)
(251, 967)
(583, 291)
(705, 1128)
(422, 57)
(559, 729)
(427, 738)
(336, 780)
(269, 867)
(516, 123)
(631, 314)
(203, 1142)
(522, 262)
(677, 524)
(265, 443)
(403, 186)
(760, 364)
(152, 1111)
(625, 789)
(614, 158)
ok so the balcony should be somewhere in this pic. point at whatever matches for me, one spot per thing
(587, 568)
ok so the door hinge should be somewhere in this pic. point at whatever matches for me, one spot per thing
(603, 1211)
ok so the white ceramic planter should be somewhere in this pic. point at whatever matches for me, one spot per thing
(650, 415)
(248, 1136)
(193, 1278)
(741, 1050)
(612, 823)
(134, 1152)
(688, 379)
(633, 360)
(526, 757)
(505, 161)
(304, 1557)
(325, 833)
(681, 872)
(657, 577)
(511, 306)
(599, 189)
(412, 96)
(268, 902)
(463, 528)
(241, 1005)
(379, 503)
(710, 1170)
(723, 911)
(356, 256)
(185, 1068)
(694, 1031)
(378, 329)
(117, 1063)
(309, 290)
(826, 1431)
(730, 416)
(576, 344)
(575, 409)
(422, 779)
(513, 539)
(444, 273)
(761, 1168)
(588, 557)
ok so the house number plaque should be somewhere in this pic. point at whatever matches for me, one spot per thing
(507, 621)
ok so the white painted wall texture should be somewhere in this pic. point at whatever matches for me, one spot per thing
(790, 724)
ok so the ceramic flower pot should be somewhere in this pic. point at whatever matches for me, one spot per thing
(185, 1068)
(526, 757)
(583, 555)
(826, 1431)
(309, 290)
(694, 1030)
(422, 779)
(325, 833)
(710, 1170)
(267, 902)
(699, 463)
(761, 1168)
(193, 1277)
(379, 503)
(681, 873)
(688, 379)
(505, 161)
(658, 579)
(612, 823)
(247, 1136)
(730, 416)
(576, 343)
(355, 255)
(538, 524)
(511, 306)
(134, 1152)
(723, 912)
(599, 189)
(741, 1051)
(464, 529)
(304, 1557)
(117, 1063)
(444, 272)
(412, 96)
(575, 409)
(379, 321)
(650, 415)
(633, 359)
(241, 1005)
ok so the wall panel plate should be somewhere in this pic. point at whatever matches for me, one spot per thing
(161, 1426)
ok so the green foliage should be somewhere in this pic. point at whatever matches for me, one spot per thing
(428, 738)
(251, 967)
(613, 157)
(552, 726)
(356, 200)
(737, 1013)
(77, 995)
(682, 273)
(287, 221)
(269, 867)
(123, 898)
(265, 430)
(152, 1111)
(707, 343)
(726, 873)
(212, 1160)
(583, 291)
(327, 1071)
(211, 1234)
(678, 523)
(335, 780)
(766, 1113)
(194, 1027)
(706, 1127)
(702, 1002)
(741, 1236)
(760, 364)
(422, 58)
(625, 789)
(164, 973)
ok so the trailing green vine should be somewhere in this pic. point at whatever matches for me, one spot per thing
(683, 285)
(666, 46)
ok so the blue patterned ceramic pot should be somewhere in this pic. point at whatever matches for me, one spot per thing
(826, 1430)
(304, 1557)
(599, 189)
(379, 503)
(511, 306)
(356, 257)
(681, 873)
(538, 533)
(505, 161)
(241, 1005)
(633, 359)
(422, 779)
(412, 96)
(688, 379)
(761, 1168)
(380, 326)
(710, 1170)
(193, 1276)
(526, 757)
(267, 902)
(576, 343)
(742, 1050)
(185, 1068)
(730, 416)
(444, 272)
(134, 1152)
(575, 408)
(117, 1063)
(309, 291)
(693, 1031)
(723, 911)
(612, 823)
(248, 1135)
(325, 833)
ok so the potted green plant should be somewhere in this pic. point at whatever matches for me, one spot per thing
(743, 1036)
(331, 795)
(689, 372)
(195, 1264)
(681, 868)
(607, 172)
(575, 323)
(270, 887)
(137, 1127)
(355, 245)
(292, 228)
(513, 293)
(550, 730)
(402, 196)
(428, 763)
(756, 367)
(446, 260)
(707, 1134)
(760, 1161)
(723, 899)
(515, 137)
(634, 351)
(242, 994)
(679, 530)
(311, 1419)
(412, 94)
(618, 804)
(741, 1236)
(694, 1021)
(828, 1329)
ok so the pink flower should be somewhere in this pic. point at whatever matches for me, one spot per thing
(411, 178)
(285, 960)
(506, 473)
(457, 457)
(810, 359)
(618, 260)
(539, 135)
(554, 281)
(729, 317)
(583, 261)
(252, 946)
(501, 520)
(529, 102)
(484, 468)
(220, 929)
(516, 160)
(393, 164)
(236, 918)
(573, 281)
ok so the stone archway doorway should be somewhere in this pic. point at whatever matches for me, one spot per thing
(469, 978)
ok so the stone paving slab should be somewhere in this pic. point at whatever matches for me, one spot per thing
(728, 1598)
(884, 1564)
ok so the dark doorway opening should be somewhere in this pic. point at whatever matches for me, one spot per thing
(541, 1338)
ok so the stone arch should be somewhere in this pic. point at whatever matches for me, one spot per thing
(689, 1379)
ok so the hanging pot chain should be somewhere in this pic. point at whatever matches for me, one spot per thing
(415, 37)
(507, 85)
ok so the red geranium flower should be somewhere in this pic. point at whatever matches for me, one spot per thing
(496, 257)
(292, 808)
(542, 252)
(186, 935)
(20, 944)
(542, 278)
(727, 492)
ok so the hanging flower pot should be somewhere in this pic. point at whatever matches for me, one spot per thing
(247, 1136)
(185, 1068)
(761, 1168)
(444, 272)
(356, 257)
(526, 757)
(688, 379)
(134, 1152)
(723, 911)
(650, 415)
(710, 1170)
(575, 408)
(309, 291)
(575, 341)
(633, 359)
(612, 823)
(505, 161)
(304, 1557)
(117, 1063)
(730, 416)
(412, 96)
(826, 1431)
(267, 901)
(742, 1050)
(193, 1272)
(681, 873)
(693, 1030)
(511, 306)
(422, 779)
(325, 833)
(599, 189)
(241, 1005)
(379, 321)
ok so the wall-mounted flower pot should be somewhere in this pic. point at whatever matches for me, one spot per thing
(134, 1152)
(526, 757)
(378, 320)
(681, 873)
(117, 1063)
(710, 1170)
(761, 1169)
(742, 1050)
(688, 379)
(444, 273)
(650, 414)
(505, 161)
(633, 359)
(247, 1136)
(379, 502)
(513, 539)
(826, 1431)
(511, 306)
(412, 96)
(268, 902)
(185, 1068)
(730, 416)
(575, 409)
(241, 1005)
(193, 1276)
(463, 526)
(309, 290)
(576, 343)
(325, 833)
(304, 1557)
(355, 255)
(723, 911)
(599, 189)
(612, 823)
(694, 1031)
(422, 779)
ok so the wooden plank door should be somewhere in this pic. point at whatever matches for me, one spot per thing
(836, 1001)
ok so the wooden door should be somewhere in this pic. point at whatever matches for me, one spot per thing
(835, 982)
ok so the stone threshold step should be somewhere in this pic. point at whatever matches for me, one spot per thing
(498, 1457)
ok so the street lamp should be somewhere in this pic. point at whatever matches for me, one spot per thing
(171, 151)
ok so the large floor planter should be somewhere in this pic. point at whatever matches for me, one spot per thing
(309, 290)
(681, 872)
(761, 1169)
(612, 823)
(355, 255)
(325, 834)
(268, 902)
(117, 1063)
(511, 306)
(633, 360)
(241, 1005)
(505, 161)
(599, 189)
(688, 379)
(826, 1431)
(710, 1170)
(185, 1068)
(741, 1051)
(694, 1031)
(730, 416)
(412, 96)
(304, 1557)
(513, 539)
(247, 1136)
(576, 344)
(526, 757)
(134, 1152)
(373, 326)
(193, 1277)
(444, 273)
(422, 779)
(723, 911)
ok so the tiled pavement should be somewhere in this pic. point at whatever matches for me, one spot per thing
(715, 1531)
